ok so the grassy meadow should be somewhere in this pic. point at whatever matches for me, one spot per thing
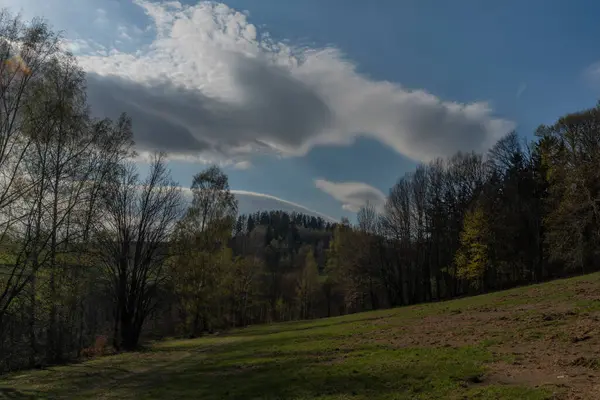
(536, 342)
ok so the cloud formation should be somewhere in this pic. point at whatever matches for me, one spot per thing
(521, 89)
(250, 202)
(242, 165)
(91, 24)
(211, 83)
(352, 195)
(592, 72)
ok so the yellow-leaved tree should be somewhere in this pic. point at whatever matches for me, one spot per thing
(472, 258)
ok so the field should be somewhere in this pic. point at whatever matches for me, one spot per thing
(537, 342)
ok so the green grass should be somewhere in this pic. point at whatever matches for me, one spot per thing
(376, 355)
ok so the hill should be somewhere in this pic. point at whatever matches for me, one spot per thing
(536, 342)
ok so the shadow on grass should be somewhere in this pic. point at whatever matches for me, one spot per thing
(363, 373)
(304, 376)
(9, 393)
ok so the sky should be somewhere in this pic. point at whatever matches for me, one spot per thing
(320, 106)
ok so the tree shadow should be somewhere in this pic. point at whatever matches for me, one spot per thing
(268, 375)
(302, 376)
(10, 393)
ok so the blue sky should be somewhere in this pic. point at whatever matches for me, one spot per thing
(326, 103)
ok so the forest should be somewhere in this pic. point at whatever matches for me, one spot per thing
(96, 257)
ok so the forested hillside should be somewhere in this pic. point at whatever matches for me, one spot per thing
(96, 257)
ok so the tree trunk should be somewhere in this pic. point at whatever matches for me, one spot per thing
(32, 317)
(116, 333)
(372, 295)
(129, 333)
(51, 332)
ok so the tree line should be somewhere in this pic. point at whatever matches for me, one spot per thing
(95, 257)
(473, 223)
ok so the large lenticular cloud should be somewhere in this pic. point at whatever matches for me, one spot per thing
(210, 83)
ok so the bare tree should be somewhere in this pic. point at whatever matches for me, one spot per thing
(370, 246)
(437, 222)
(396, 224)
(133, 240)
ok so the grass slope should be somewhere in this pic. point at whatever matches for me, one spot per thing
(537, 342)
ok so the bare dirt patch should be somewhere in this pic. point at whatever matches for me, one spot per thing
(542, 344)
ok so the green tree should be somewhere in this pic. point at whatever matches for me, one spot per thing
(202, 253)
(570, 152)
(345, 267)
(199, 280)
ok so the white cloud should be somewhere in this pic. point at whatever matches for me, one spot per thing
(241, 165)
(124, 32)
(352, 195)
(592, 72)
(251, 202)
(101, 16)
(76, 46)
(521, 89)
(145, 156)
(97, 22)
(79, 46)
(210, 82)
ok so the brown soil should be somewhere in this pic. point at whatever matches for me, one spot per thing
(537, 345)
